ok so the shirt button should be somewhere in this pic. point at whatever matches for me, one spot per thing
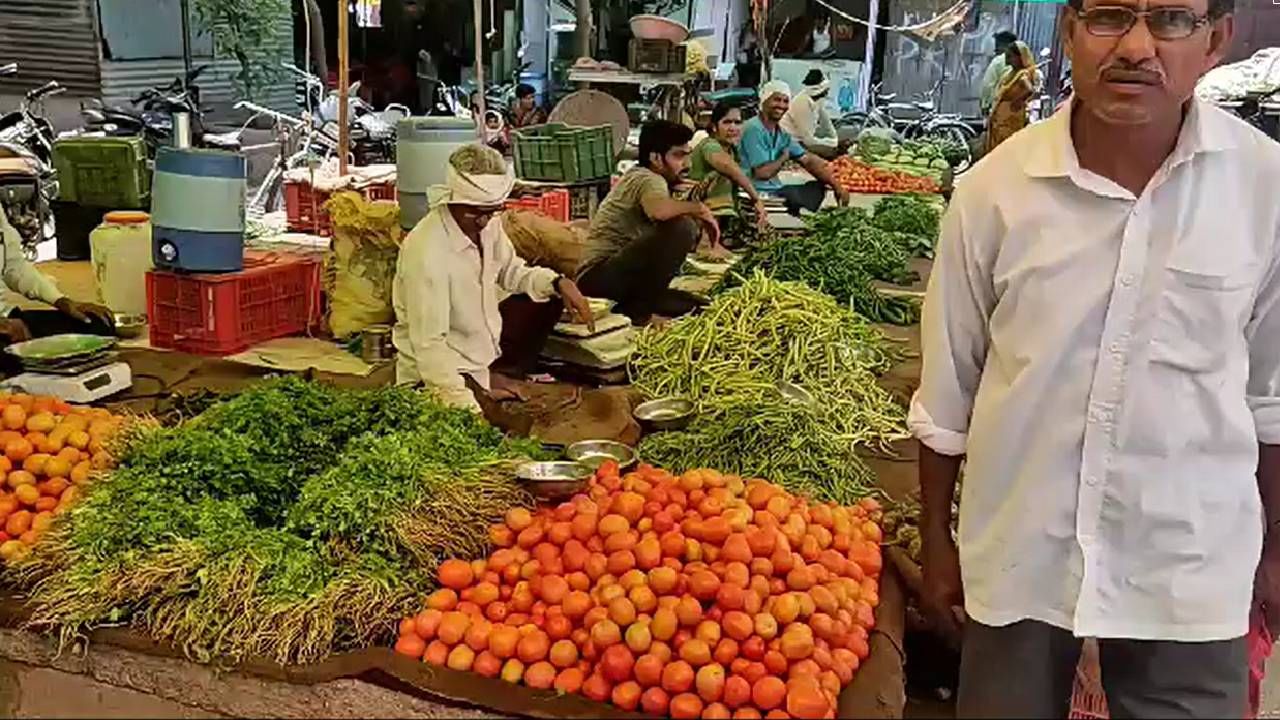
(1092, 481)
(1116, 348)
(1126, 280)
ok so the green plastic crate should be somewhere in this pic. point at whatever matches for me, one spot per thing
(559, 153)
(103, 172)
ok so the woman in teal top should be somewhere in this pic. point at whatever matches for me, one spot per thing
(715, 169)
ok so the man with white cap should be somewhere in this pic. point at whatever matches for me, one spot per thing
(766, 147)
(458, 276)
(808, 122)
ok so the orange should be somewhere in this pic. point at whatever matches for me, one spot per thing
(540, 675)
(709, 682)
(655, 701)
(638, 638)
(716, 711)
(443, 599)
(13, 417)
(18, 450)
(18, 523)
(503, 641)
(696, 652)
(411, 646)
(622, 611)
(616, 663)
(563, 654)
(27, 495)
(605, 634)
(737, 692)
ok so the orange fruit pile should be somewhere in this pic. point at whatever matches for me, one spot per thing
(702, 595)
(49, 450)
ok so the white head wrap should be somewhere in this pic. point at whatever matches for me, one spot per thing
(473, 188)
(815, 90)
(774, 87)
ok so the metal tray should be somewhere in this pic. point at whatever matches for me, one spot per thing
(57, 348)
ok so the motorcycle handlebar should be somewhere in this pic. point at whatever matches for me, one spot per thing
(9, 69)
(50, 88)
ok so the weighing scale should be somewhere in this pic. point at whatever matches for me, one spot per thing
(76, 368)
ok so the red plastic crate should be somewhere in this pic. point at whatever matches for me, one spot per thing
(277, 294)
(552, 203)
(304, 205)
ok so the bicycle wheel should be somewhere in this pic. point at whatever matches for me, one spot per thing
(858, 121)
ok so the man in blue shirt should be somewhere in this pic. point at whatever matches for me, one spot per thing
(766, 147)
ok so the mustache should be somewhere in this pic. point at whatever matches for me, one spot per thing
(1127, 72)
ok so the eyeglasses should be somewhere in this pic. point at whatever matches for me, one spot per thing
(1164, 23)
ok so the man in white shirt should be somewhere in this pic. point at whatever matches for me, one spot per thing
(1102, 349)
(22, 277)
(458, 276)
(995, 71)
(809, 123)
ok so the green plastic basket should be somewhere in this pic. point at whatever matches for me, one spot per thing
(560, 153)
(103, 172)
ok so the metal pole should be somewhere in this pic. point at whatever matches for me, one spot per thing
(869, 57)
(185, 9)
(344, 133)
(478, 10)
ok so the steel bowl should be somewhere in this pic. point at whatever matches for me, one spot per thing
(130, 326)
(665, 414)
(593, 453)
(656, 27)
(554, 481)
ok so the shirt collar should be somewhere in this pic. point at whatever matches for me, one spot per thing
(458, 240)
(1205, 129)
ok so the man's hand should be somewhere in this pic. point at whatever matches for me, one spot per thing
(762, 213)
(842, 196)
(577, 303)
(85, 312)
(1266, 585)
(502, 388)
(15, 330)
(943, 597)
(709, 221)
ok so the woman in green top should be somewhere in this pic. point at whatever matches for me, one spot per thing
(715, 170)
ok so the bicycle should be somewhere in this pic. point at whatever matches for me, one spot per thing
(916, 120)
(299, 142)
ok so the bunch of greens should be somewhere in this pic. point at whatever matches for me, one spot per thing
(289, 522)
(912, 216)
(842, 253)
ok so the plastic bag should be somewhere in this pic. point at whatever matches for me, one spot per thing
(362, 266)
(540, 240)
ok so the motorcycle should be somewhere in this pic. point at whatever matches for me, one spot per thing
(28, 180)
(373, 132)
(152, 117)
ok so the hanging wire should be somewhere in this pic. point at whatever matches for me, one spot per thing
(930, 29)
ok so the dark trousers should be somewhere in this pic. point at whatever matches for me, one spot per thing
(808, 196)
(638, 275)
(1026, 669)
(525, 327)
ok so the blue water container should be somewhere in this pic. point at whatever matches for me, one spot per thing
(197, 210)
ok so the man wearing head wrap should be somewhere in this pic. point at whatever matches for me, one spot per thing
(458, 276)
(766, 147)
(808, 122)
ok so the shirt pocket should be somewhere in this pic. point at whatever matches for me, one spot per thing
(1201, 315)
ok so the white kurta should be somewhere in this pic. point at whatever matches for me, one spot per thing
(19, 274)
(1108, 364)
(446, 295)
(808, 122)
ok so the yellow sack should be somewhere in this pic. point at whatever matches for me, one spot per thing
(540, 240)
(362, 266)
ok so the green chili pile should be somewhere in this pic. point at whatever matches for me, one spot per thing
(913, 216)
(842, 253)
(285, 523)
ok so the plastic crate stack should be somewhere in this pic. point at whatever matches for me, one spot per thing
(276, 295)
(552, 203)
(304, 204)
(559, 153)
(96, 175)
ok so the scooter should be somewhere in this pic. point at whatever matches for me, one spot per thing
(28, 181)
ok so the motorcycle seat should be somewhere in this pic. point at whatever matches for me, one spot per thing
(222, 141)
(18, 165)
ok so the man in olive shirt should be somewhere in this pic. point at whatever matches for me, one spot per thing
(640, 234)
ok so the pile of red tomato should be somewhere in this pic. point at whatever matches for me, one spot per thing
(701, 595)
